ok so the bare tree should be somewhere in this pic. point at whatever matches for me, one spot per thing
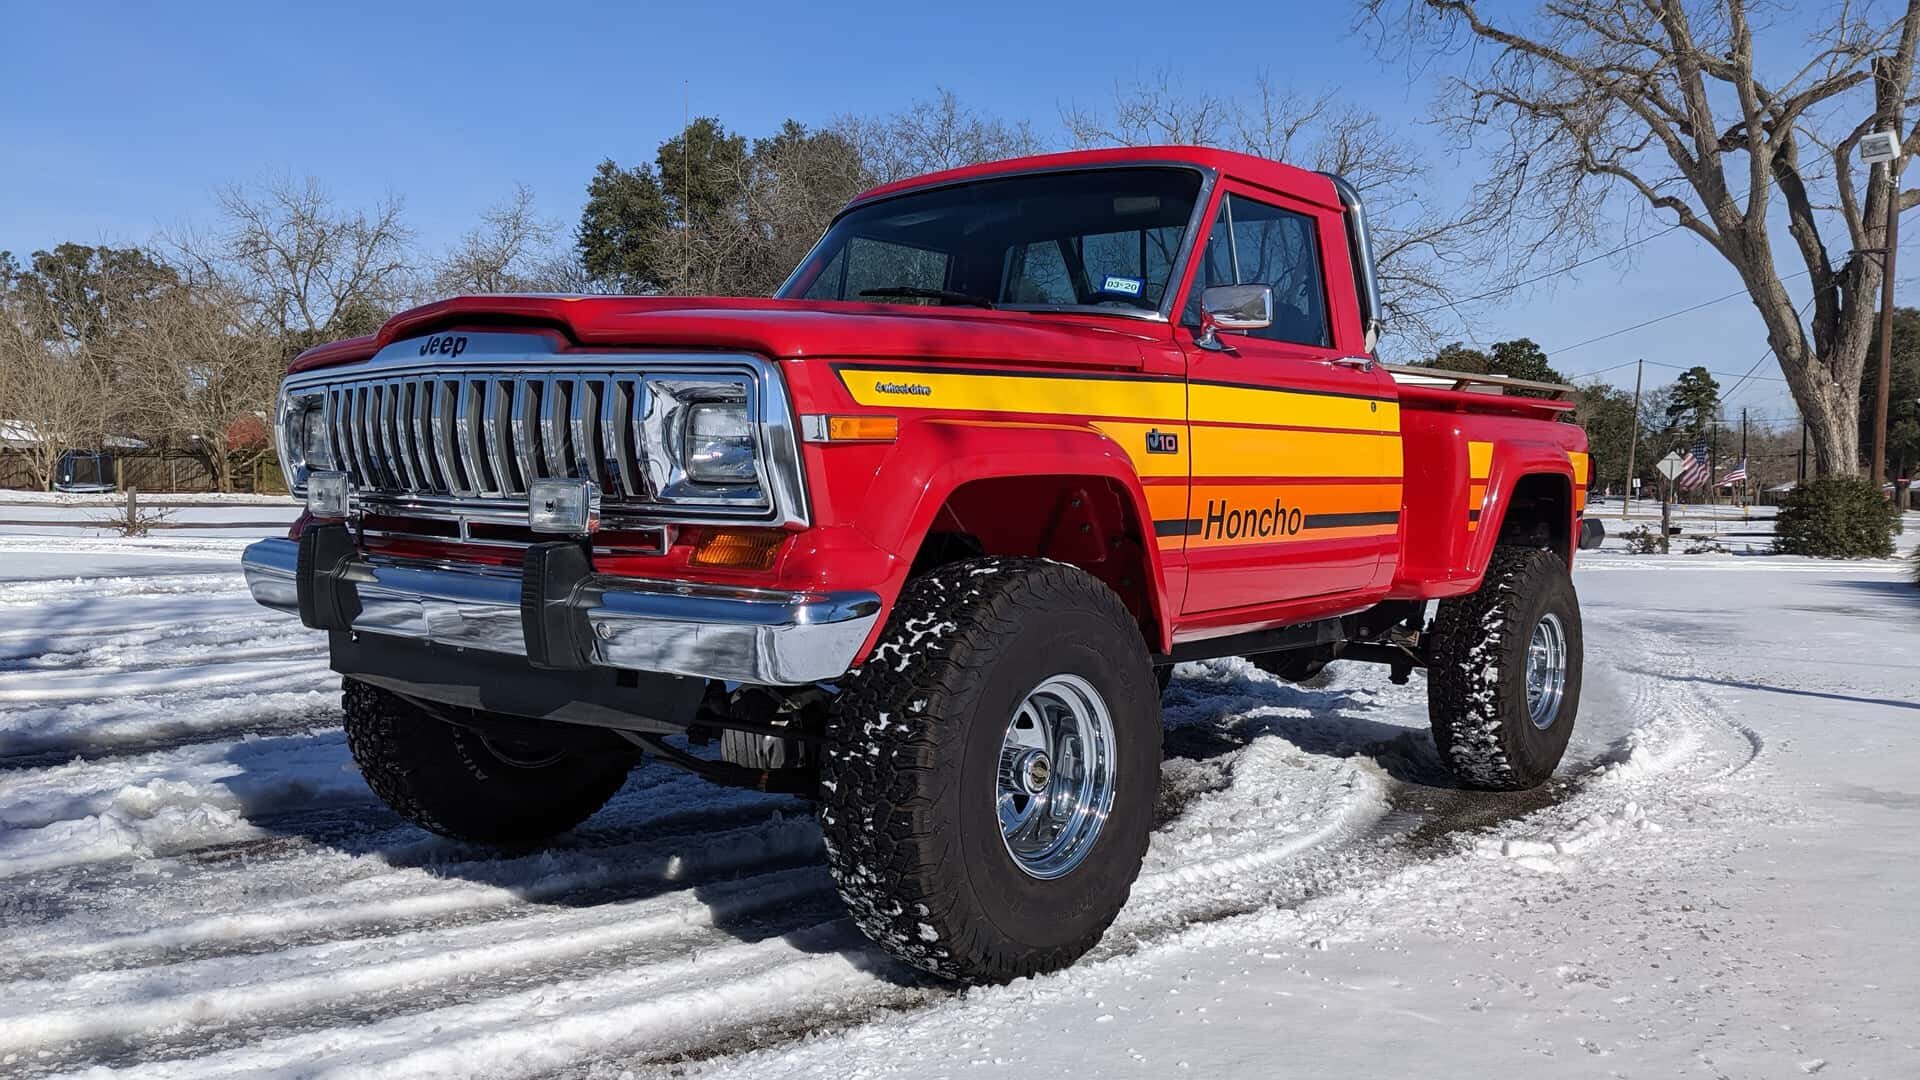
(52, 399)
(930, 135)
(1428, 253)
(205, 372)
(317, 271)
(1670, 105)
(508, 252)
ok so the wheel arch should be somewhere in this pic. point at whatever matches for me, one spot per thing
(956, 488)
(1530, 502)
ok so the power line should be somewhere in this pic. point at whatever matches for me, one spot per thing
(1538, 278)
(1663, 318)
(1735, 388)
(1575, 265)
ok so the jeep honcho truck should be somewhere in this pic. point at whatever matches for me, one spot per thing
(921, 536)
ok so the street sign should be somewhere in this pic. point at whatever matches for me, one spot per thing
(1669, 466)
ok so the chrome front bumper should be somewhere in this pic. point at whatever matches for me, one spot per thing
(737, 634)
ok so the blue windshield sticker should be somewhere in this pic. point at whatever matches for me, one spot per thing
(1128, 285)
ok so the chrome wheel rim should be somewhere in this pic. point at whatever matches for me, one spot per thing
(1055, 782)
(1546, 671)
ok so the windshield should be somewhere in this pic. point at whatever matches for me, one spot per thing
(1105, 239)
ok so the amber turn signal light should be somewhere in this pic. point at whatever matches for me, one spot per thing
(817, 428)
(738, 549)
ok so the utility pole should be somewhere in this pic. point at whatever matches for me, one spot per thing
(1633, 442)
(1743, 458)
(1885, 149)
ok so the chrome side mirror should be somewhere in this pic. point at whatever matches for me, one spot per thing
(1233, 307)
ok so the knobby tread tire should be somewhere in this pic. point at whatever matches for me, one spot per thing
(908, 852)
(1476, 674)
(443, 778)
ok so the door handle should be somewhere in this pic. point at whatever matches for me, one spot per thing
(1360, 363)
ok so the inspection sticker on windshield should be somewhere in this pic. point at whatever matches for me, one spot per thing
(1128, 285)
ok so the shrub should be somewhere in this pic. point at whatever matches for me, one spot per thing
(1642, 540)
(1835, 517)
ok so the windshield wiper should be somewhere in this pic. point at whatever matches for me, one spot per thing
(914, 292)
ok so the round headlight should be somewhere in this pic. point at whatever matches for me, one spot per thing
(719, 443)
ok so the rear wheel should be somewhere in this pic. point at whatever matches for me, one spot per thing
(459, 782)
(1503, 677)
(991, 770)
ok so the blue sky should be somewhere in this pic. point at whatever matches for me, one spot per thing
(117, 121)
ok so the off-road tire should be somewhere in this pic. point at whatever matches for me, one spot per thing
(1476, 674)
(909, 779)
(447, 779)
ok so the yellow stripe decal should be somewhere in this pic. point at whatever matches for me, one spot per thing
(1479, 459)
(911, 389)
(1225, 451)
(1249, 405)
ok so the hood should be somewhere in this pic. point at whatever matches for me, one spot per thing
(778, 329)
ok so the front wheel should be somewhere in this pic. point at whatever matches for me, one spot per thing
(463, 784)
(991, 770)
(1503, 673)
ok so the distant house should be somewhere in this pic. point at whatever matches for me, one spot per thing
(90, 468)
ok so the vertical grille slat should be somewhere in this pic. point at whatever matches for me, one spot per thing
(526, 433)
(615, 423)
(553, 426)
(391, 439)
(475, 436)
(423, 445)
(495, 424)
(585, 414)
(361, 458)
(442, 403)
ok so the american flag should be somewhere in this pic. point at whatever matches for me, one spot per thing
(1737, 476)
(1694, 469)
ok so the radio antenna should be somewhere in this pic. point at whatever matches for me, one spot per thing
(686, 189)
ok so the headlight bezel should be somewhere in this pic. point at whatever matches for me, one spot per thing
(666, 430)
(302, 415)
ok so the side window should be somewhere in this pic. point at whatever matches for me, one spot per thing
(1250, 243)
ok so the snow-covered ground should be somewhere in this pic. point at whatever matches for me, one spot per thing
(195, 882)
(50, 514)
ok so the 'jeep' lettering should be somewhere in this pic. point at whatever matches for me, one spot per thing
(1224, 522)
(449, 345)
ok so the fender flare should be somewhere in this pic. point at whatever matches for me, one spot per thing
(936, 457)
(1514, 461)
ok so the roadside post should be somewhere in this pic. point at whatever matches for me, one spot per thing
(1669, 467)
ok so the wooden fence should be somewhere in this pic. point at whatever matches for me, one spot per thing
(161, 471)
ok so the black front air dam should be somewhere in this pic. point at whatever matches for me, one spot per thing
(492, 682)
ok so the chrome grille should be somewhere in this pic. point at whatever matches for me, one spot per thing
(486, 434)
(421, 434)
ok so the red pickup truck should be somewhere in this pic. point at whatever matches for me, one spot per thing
(922, 535)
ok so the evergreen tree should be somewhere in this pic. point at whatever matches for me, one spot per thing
(1903, 397)
(1694, 402)
(621, 226)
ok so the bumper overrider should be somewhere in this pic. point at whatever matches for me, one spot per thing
(558, 614)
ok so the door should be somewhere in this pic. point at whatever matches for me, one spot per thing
(1295, 454)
